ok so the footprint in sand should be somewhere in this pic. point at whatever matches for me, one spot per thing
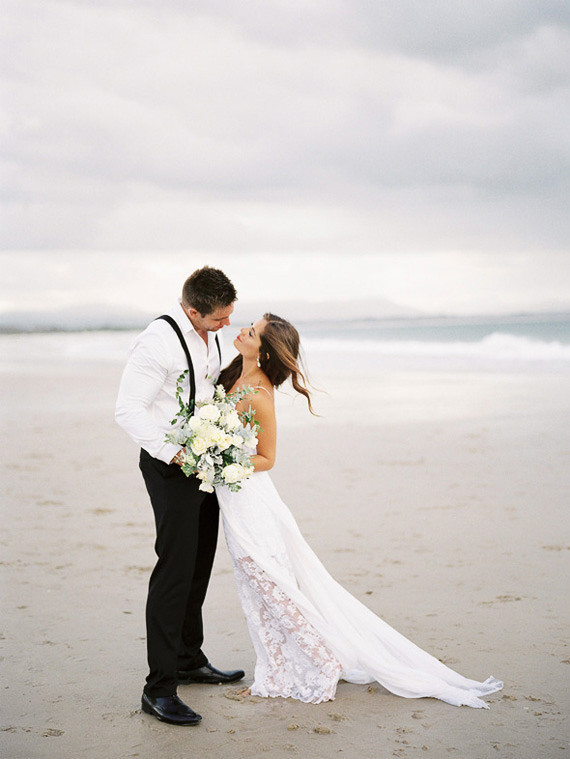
(241, 695)
(337, 717)
(138, 570)
(506, 598)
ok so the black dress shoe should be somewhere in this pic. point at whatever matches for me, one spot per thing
(209, 674)
(170, 709)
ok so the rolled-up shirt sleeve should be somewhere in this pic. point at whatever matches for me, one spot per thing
(143, 379)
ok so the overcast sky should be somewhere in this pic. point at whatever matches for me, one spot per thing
(429, 134)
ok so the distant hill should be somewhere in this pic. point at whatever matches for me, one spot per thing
(72, 319)
(99, 317)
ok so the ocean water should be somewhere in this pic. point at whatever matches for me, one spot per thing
(514, 343)
(541, 328)
(521, 343)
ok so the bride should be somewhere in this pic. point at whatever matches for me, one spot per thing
(307, 630)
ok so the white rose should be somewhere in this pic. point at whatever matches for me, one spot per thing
(231, 420)
(206, 487)
(213, 435)
(237, 440)
(225, 442)
(233, 473)
(199, 446)
(194, 423)
(209, 413)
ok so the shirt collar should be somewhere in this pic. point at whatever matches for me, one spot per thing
(182, 319)
(185, 324)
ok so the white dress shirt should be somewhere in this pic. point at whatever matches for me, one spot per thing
(147, 394)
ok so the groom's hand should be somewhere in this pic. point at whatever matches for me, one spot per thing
(179, 458)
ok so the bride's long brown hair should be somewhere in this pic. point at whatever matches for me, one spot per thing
(278, 358)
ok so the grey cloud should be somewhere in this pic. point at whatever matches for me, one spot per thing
(398, 113)
(445, 29)
(453, 29)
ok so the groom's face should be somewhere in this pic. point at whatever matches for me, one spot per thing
(219, 318)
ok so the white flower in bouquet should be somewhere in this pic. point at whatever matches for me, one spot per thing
(226, 442)
(209, 412)
(212, 435)
(198, 445)
(235, 473)
(194, 423)
(217, 441)
(206, 476)
(231, 420)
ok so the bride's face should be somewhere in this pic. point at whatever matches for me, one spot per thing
(248, 341)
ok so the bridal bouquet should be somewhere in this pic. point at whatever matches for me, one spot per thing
(216, 439)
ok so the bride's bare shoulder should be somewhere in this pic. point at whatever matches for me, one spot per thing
(261, 397)
(270, 392)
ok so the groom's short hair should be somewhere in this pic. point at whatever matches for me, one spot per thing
(208, 289)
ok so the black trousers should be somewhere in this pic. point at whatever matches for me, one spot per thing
(186, 521)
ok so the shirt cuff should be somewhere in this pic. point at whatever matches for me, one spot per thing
(167, 452)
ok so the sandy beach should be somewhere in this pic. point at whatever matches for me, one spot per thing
(438, 498)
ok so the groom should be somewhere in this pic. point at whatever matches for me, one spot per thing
(186, 518)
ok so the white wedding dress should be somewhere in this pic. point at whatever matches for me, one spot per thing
(307, 630)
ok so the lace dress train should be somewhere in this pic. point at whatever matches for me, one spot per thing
(308, 632)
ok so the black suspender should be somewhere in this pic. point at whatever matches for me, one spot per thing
(178, 331)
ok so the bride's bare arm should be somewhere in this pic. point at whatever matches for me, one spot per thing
(263, 405)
